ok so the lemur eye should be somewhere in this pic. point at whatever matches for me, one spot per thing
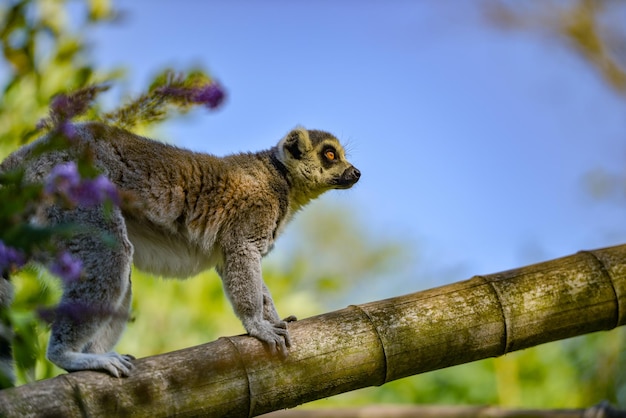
(329, 154)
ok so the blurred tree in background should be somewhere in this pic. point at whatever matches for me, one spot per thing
(592, 29)
(45, 52)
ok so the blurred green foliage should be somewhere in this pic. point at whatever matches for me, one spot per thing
(593, 29)
(46, 53)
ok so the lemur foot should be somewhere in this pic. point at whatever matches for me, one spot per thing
(118, 365)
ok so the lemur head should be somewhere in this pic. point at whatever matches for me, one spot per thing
(315, 162)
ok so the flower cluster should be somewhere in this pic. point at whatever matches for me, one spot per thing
(211, 95)
(64, 184)
(65, 107)
(67, 267)
(65, 181)
(10, 259)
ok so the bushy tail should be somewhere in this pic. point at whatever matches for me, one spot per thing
(7, 374)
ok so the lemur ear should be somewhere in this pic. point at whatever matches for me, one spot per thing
(296, 143)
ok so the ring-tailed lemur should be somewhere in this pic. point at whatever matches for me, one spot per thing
(190, 212)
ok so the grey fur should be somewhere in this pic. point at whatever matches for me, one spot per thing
(189, 212)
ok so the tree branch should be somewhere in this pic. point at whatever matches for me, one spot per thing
(356, 347)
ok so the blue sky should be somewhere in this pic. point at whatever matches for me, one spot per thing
(473, 142)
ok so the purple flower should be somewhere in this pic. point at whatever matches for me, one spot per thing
(65, 107)
(10, 258)
(107, 190)
(61, 105)
(67, 129)
(212, 95)
(67, 267)
(94, 192)
(63, 179)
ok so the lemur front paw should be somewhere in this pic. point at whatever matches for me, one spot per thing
(274, 336)
(119, 365)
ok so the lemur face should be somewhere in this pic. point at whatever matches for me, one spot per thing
(317, 161)
(337, 171)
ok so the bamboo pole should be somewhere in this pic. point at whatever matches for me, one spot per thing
(356, 347)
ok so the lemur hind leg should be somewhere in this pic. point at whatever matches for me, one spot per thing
(94, 308)
(110, 333)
